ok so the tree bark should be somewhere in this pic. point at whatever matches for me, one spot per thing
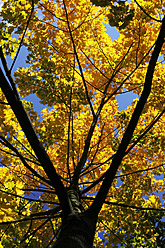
(77, 232)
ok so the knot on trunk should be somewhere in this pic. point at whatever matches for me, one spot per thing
(74, 201)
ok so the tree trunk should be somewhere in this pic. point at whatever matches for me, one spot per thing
(77, 232)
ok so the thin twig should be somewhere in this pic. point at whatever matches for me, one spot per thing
(68, 149)
(77, 58)
(22, 37)
(10, 146)
(125, 205)
(157, 20)
(139, 171)
(26, 198)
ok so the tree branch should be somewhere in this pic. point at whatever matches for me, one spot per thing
(36, 145)
(69, 124)
(22, 37)
(110, 174)
(35, 173)
(77, 58)
(26, 198)
(126, 206)
(157, 20)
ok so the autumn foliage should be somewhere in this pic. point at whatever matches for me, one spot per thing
(112, 160)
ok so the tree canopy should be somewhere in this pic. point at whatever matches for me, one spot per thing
(82, 156)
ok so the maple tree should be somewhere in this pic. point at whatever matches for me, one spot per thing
(82, 173)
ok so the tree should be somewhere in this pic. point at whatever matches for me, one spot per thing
(83, 168)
